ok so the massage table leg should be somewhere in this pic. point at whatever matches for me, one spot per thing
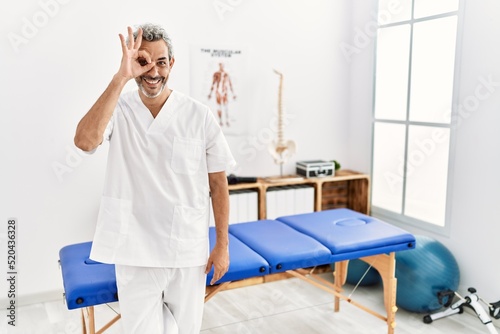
(91, 320)
(330, 288)
(88, 321)
(88, 318)
(386, 266)
(109, 324)
(84, 324)
(213, 290)
(339, 279)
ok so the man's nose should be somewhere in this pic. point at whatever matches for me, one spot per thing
(153, 71)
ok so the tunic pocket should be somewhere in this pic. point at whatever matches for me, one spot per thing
(186, 155)
(190, 227)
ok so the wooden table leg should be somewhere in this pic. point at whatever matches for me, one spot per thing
(91, 320)
(84, 323)
(339, 276)
(386, 266)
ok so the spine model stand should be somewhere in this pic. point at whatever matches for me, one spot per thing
(281, 150)
(473, 301)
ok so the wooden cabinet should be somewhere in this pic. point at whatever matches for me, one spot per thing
(347, 189)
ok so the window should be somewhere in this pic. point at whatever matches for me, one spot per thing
(413, 104)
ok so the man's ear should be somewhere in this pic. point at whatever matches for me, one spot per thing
(172, 61)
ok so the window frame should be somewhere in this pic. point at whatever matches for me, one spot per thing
(400, 219)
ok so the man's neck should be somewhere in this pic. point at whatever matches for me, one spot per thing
(155, 104)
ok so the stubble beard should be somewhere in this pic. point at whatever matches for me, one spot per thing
(144, 91)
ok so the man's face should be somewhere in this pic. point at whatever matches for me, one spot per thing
(152, 83)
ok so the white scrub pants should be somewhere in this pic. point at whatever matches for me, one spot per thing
(161, 300)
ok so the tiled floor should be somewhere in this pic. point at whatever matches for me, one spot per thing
(287, 306)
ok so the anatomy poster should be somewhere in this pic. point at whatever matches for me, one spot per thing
(217, 78)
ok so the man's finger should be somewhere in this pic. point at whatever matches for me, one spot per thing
(218, 274)
(123, 43)
(208, 267)
(138, 41)
(130, 38)
(215, 278)
(144, 55)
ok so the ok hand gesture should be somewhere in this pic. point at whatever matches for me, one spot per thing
(134, 61)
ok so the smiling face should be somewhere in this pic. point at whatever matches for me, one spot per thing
(152, 84)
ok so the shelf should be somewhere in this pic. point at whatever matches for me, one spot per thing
(347, 189)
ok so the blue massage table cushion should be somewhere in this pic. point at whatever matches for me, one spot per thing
(282, 246)
(349, 234)
(243, 261)
(86, 282)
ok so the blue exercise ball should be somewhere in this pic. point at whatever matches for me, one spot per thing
(422, 273)
(359, 270)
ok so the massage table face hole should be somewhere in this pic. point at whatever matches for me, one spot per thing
(351, 222)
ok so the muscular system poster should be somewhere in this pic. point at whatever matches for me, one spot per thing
(217, 80)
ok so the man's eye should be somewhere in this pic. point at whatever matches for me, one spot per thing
(162, 63)
(142, 61)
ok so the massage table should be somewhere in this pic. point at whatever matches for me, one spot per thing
(290, 244)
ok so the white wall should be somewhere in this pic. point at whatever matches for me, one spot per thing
(59, 55)
(475, 199)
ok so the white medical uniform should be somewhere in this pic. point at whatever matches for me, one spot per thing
(154, 210)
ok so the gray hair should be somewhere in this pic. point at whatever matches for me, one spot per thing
(154, 32)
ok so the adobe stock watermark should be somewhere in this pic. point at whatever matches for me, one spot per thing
(73, 159)
(426, 147)
(483, 91)
(364, 36)
(32, 24)
(222, 7)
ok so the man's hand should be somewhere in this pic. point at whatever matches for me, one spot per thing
(134, 61)
(219, 258)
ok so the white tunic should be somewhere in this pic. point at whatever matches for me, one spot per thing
(155, 206)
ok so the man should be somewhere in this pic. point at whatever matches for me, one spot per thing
(167, 154)
(222, 83)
